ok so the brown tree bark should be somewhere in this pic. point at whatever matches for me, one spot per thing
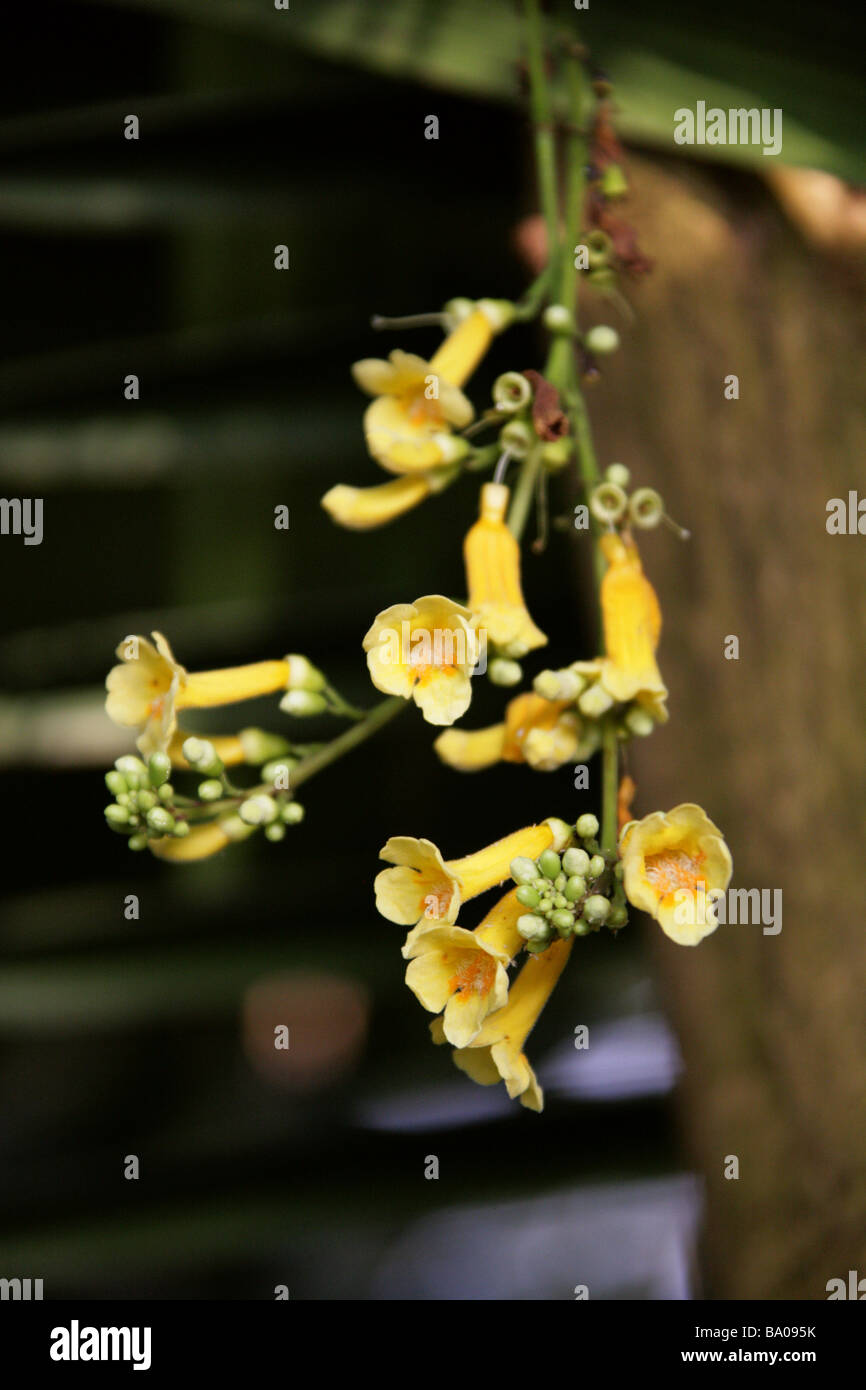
(773, 1027)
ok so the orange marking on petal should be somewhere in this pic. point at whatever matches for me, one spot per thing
(673, 869)
(475, 975)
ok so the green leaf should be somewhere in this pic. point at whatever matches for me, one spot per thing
(657, 64)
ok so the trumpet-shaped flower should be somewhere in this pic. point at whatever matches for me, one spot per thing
(492, 557)
(363, 508)
(546, 734)
(675, 864)
(408, 424)
(149, 686)
(632, 625)
(496, 1052)
(464, 972)
(425, 651)
(424, 885)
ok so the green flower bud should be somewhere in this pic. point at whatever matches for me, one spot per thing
(211, 790)
(558, 319)
(613, 182)
(556, 453)
(137, 842)
(563, 920)
(594, 701)
(457, 311)
(130, 766)
(303, 703)
(201, 754)
(512, 391)
(599, 247)
(587, 826)
(116, 783)
(582, 927)
(166, 793)
(528, 896)
(596, 908)
(608, 503)
(303, 675)
(646, 508)
(292, 813)
(498, 312)
(575, 888)
(601, 340)
(618, 473)
(550, 863)
(524, 870)
(575, 861)
(117, 816)
(125, 799)
(503, 672)
(260, 809)
(639, 721)
(618, 917)
(546, 684)
(181, 829)
(596, 865)
(259, 746)
(145, 799)
(531, 927)
(158, 769)
(279, 770)
(275, 832)
(560, 881)
(160, 820)
(518, 438)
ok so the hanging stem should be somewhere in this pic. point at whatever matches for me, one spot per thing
(542, 119)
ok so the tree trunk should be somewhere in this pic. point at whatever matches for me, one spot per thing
(773, 1027)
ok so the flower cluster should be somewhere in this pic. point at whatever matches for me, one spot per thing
(146, 692)
(486, 984)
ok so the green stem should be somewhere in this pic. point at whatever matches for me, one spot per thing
(609, 787)
(560, 366)
(378, 716)
(340, 706)
(521, 502)
(542, 118)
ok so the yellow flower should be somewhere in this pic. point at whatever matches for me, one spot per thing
(546, 734)
(408, 425)
(492, 558)
(464, 972)
(424, 885)
(632, 624)
(675, 864)
(425, 651)
(202, 841)
(496, 1053)
(149, 686)
(362, 508)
